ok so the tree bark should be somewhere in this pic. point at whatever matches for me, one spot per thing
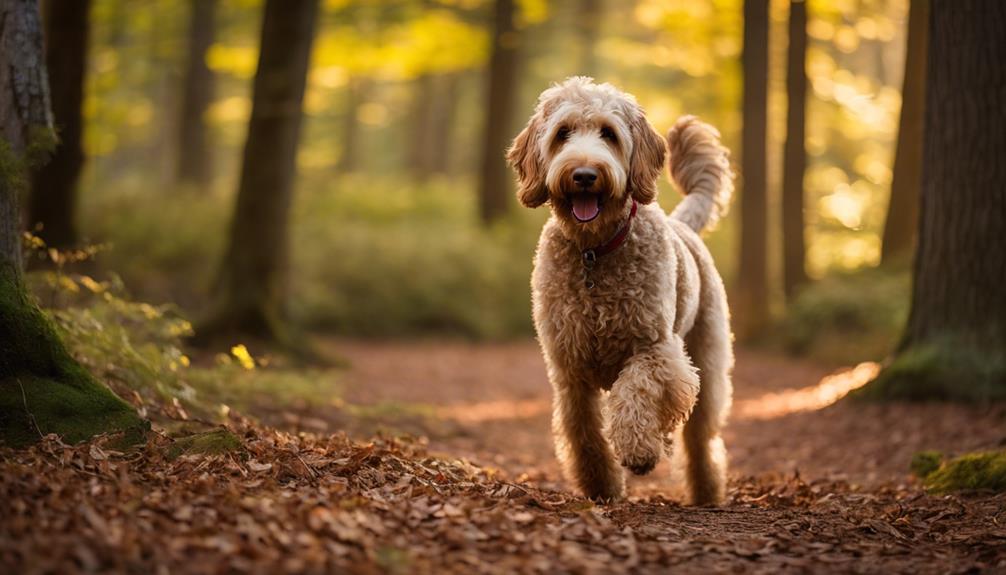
(795, 153)
(53, 199)
(494, 181)
(954, 345)
(751, 296)
(251, 291)
(42, 388)
(194, 152)
(903, 210)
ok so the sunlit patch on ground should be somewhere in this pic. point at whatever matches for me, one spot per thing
(494, 410)
(826, 392)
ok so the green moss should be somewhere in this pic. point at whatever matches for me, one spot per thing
(216, 442)
(973, 471)
(925, 462)
(941, 371)
(12, 171)
(42, 388)
(42, 142)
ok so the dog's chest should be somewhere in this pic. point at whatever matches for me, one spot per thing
(597, 319)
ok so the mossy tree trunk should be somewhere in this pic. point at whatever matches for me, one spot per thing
(194, 152)
(750, 297)
(795, 153)
(251, 293)
(954, 345)
(903, 210)
(494, 179)
(42, 389)
(54, 186)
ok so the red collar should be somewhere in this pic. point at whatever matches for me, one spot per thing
(590, 255)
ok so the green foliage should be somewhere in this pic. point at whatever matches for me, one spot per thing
(969, 472)
(377, 258)
(138, 350)
(848, 317)
(943, 370)
(369, 256)
(42, 389)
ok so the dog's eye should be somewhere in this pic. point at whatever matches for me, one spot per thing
(562, 135)
(608, 134)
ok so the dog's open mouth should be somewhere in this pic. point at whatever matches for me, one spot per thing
(586, 206)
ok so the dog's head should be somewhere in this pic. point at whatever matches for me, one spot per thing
(587, 149)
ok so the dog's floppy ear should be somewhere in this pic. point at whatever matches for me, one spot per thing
(525, 158)
(647, 161)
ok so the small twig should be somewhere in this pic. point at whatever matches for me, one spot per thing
(31, 417)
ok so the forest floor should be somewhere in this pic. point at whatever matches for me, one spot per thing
(813, 487)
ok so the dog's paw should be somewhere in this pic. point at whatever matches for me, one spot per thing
(640, 463)
(608, 491)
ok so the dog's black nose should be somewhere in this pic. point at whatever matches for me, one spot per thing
(584, 177)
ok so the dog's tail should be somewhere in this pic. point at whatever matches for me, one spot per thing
(700, 167)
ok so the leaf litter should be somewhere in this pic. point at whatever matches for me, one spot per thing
(281, 501)
(324, 503)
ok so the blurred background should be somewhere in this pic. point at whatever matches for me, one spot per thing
(402, 219)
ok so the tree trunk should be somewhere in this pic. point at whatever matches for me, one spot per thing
(194, 152)
(54, 188)
(903, 209)
(42, 389)
(795, 154)
(751, 296)
(251, 292)
(954, 345)
(494, 183)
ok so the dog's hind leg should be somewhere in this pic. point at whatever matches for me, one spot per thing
(654, 392)
(580, 444)
(710, 348)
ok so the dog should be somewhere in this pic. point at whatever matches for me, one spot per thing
(630, 311)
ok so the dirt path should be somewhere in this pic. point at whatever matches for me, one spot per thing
(491, 402)
(814, 486)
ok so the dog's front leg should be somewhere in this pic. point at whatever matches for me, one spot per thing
(580, 444)
(654, 392)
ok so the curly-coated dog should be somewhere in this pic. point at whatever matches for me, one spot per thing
(626, 298)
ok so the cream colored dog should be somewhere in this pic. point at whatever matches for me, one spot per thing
(626, 298)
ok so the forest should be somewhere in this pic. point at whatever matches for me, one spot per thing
(266, 286)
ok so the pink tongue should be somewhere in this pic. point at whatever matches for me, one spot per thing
(585, 207)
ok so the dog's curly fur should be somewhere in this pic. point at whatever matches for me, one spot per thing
(653, 329)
